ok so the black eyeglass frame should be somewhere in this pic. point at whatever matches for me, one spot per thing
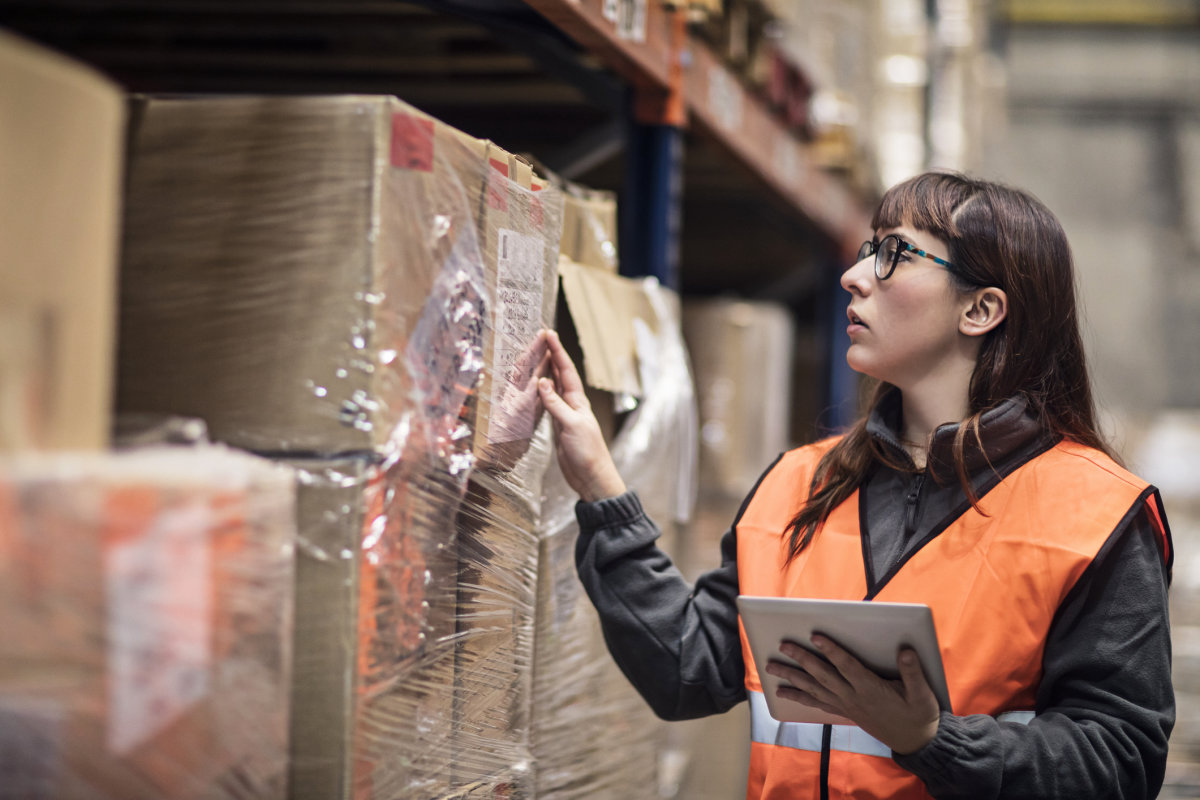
(884, 270)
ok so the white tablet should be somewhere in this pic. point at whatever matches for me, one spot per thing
(874, 632)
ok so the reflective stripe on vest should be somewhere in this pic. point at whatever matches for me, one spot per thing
(765, 729)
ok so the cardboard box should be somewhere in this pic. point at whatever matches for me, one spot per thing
(742, 355)
(61, 139)
(373, 697)
(590, 227)
(576, 683)
(577, 686)
(497, 523)
(609, 314)
(497, 587)
(629, 333)
(146, 603)
(302, 273)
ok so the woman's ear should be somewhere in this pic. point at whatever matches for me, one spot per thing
(988, 308)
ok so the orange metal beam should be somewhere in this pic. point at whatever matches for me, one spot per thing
(676, 75)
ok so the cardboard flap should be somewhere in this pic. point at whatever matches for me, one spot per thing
(604, 307)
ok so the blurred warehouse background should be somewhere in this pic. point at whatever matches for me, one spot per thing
(728, 149)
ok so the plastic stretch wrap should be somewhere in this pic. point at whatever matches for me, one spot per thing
(498, 522)
(374, 690)
(578, 689)
(282, 258)
(357, 289)
(145, 600)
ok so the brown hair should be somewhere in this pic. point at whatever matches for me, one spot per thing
(997, 236)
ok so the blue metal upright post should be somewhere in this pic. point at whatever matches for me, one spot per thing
(841, 400)
(651, 204)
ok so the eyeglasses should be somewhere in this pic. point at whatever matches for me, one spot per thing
(887, 255)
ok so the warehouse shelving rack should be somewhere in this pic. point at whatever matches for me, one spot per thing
(656, 116)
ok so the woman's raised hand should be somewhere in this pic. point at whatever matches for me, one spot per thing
(582, 453)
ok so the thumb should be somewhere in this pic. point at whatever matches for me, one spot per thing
(551, 399)
(916, 686)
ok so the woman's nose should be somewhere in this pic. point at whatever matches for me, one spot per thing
(858, 277)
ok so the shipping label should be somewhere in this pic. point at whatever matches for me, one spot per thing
(159, 624)
(519, 349)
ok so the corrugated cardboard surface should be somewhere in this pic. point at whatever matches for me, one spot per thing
(278, 258)
(590, 227)
(604, 308)
(742, 356)
(61, 157)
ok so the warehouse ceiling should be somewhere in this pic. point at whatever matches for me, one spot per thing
(496, 70)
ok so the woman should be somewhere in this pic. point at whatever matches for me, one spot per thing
(978, 484)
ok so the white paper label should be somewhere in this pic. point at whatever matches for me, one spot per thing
(610, 10)
(631, 20)
(159, 625)
(521, 259)
(725, 98)
(787, 164)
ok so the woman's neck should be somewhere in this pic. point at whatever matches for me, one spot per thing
(922, 413)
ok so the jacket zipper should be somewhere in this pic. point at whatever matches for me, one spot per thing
(912, 503)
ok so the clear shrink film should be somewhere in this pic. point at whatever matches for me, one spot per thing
(497, 524)
(577, 686)
(356, 289)
(146, 603)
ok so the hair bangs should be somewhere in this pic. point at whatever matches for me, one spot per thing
(926, 202)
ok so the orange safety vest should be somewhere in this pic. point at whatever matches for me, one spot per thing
(993, 581)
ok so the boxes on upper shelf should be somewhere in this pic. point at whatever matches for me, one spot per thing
(62, 128)
(279, 256)
(304, 273)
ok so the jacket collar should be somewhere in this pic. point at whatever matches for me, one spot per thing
(1006, 430)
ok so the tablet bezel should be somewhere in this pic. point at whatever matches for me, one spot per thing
(872, 631)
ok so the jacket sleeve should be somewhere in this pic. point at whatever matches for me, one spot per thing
(677, 644)
(1105, 706)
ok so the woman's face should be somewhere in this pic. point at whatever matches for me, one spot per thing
(905, 330)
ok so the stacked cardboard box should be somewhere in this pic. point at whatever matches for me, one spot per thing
(497, 525)
(145, 600)
(355, 287)
(589, 227)
(742, 356)
(625, 333)
(61, 133)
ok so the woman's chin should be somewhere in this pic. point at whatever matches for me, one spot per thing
(859, 365)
